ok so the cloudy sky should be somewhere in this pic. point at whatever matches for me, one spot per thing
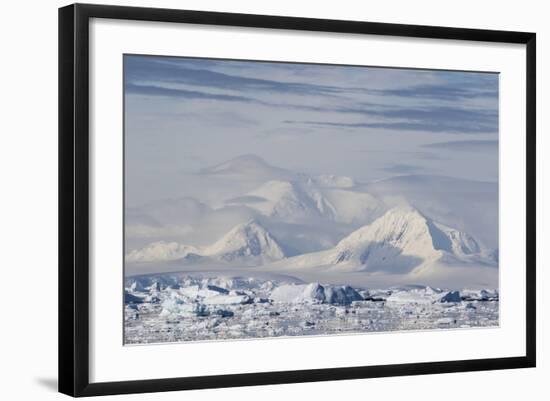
(183, 115)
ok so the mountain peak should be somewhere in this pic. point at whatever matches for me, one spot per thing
(289, 199)
(246, 242)
(248, 239)
(400, 240)
(443, 238)
(393, 222)
(400, 230)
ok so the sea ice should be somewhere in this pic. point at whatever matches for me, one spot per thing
(187, 308)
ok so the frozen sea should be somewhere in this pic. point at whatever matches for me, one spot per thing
(174, 307)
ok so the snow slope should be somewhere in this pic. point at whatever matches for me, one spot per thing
(471, 206)
(246, 243)
(247, 187)
(323, 227)
(396, 243)
(302, 200)
(160, 251)
(289, 199)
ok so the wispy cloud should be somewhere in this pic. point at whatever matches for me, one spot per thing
(442, 92)
(465, 146)
(451, 122)
(429, 101)
(148, 68)
(151, 90)
(307, 117)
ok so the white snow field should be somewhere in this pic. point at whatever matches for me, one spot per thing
(175, 307)
(282, 253)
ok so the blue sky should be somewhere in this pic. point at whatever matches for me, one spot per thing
(369, 123)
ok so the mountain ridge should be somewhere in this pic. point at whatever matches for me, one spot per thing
(400, 241)
(246, 242)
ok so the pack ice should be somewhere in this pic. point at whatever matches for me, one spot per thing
(181, 307)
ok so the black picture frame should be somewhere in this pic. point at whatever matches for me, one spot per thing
(74, 194)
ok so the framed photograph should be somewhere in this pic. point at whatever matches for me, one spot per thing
(250, 199)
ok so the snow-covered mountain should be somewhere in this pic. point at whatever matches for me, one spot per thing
(160, 251)
(322, 227)
(252, 167)
(471, 206)
(289, 195)
(399, 241)
(306, 199)
(289, 204)
(289, 199)
(246, 243)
